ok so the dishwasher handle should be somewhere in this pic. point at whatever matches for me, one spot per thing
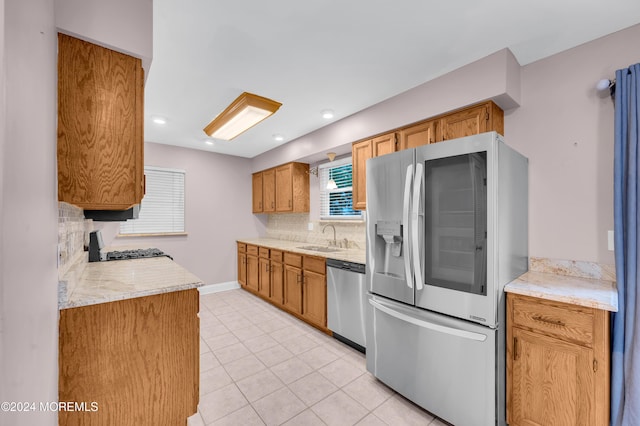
(346, 266)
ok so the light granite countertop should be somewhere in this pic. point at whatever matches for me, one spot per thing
(349, 255)
(592, 293)
(100, 282)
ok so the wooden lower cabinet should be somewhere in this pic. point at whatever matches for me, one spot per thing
(264, 277)
(314, 298)
(557, 363)
(242, 264)
(253, 271)
(138, 359)
(293, 282)
(276, 268)
(293, 289)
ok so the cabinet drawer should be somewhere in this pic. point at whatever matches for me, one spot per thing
(253, 250)
(293, 259)
(276, 255)
(263, 252)
(242, 247)
(315, 264)
(557, 319)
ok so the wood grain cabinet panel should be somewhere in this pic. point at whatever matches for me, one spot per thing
(557, 363)
(100, 126)
(253, 272)
(418, 135)
(360, 153)
(264, 277)
(242, 266)
(277, 282)
(137, 358)
(314, 305)
(257, 193)
(283, 189)
(293, 289)
(471, 121)
(385, 144)
(269, 190)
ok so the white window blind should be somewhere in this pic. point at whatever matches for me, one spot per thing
(337, 203)
(162, 208)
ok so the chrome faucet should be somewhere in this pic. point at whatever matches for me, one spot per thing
(334, 242)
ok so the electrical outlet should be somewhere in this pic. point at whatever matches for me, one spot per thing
(610, 242)
(310, 226)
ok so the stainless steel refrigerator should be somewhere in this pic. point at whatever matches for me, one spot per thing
(446, 230)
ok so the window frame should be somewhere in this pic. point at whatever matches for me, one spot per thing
(141, 233)
(323, 177)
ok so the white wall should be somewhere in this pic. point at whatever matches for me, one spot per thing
(496, 76)
(566, 129)
(122, 25)
(562, 125)
(218, 211)
(28, 283)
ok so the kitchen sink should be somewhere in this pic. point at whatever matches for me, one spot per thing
(319, 248)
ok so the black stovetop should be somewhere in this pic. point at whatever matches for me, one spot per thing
(135, 254)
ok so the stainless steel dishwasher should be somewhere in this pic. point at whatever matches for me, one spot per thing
(346, 299)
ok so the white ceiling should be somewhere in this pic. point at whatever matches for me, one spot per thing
(344, 55)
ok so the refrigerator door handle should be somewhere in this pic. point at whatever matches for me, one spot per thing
(405, 226)
(415, 229)
(429, 325)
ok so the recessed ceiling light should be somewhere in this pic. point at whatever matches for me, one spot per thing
(159, 120)
(327, 113)
(278, 137)
(209, 142)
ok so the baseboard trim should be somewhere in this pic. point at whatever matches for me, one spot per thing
(217, 288)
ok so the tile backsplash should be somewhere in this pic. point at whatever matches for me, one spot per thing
(295, 227)
(72, 231)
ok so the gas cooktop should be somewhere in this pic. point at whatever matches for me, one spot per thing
(135, 254)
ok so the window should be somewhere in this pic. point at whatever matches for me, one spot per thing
(162, 208)
(337, 203)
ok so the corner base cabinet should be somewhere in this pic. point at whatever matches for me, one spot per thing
(137, 359)
(557, 363)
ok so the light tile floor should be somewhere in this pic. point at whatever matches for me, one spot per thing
(260, 365)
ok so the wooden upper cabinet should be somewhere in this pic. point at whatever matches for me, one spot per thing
(471, 121)
(100, 126)
(360, 153)
(282, 189)
(384, 144)
(269, 190)
(292, 188)
(257, 192)
(418, 135)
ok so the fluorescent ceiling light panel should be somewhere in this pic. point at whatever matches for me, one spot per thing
(243, 113)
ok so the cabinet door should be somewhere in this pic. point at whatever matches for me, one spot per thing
(467, 122)
(552, 381)
(384, 144)
(277, 282)
(293, 288)
(418, 135)
(360, 153)
(252, 272)
(284, 188)
(269, 190)
(242, 269)
(314, 294)
(264, 278)
(100, 126)
(257, 193)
